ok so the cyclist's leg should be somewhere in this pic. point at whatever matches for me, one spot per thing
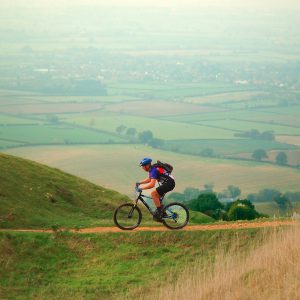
(156, 198)
(160, 192)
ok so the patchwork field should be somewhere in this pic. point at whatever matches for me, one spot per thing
(220, 98)
(223, 146)
(7, 119)
(161, 129)
(55, 134)
(292, 140)
(258, 116)
(158, 108)
(171, 91)
(240, 125)
(184, 126)
(49, 108)
(116, 166)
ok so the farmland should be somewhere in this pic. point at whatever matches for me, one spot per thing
(116, 166)
(79, 97)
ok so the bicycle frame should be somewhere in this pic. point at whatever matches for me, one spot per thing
(141, 197)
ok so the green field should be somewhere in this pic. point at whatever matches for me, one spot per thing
(268, 116)
(104, 266)
(79, 99)
(293, 110)
(249, 125)
(160, 128)
(116, 167)
(223, 147)
(7, 144)
(238, 96)
(56, 134)
(9, 120)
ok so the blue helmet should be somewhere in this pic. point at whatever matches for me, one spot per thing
(145, 161)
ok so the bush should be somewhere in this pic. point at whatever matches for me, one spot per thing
(207, 204)
(241, 210)
(281, 159)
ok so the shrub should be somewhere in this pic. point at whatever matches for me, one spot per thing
(241, 210)
(207, 204)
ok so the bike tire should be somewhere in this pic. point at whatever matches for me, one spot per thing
(122, 221)
(177, 215)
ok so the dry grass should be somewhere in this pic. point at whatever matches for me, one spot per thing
(267, 271)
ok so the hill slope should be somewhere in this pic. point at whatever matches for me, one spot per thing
(36, 196)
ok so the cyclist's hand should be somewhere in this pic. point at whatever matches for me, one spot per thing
(138, 189)
(137, 184)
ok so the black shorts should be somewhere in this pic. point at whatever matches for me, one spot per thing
(166, 187)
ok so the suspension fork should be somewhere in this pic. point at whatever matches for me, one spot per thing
(133, 208)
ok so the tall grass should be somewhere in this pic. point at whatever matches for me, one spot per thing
(269, 270)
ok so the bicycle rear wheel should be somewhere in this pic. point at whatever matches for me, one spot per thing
(175, 215)
(127, 216)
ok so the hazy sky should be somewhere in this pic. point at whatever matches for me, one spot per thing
(265, 4)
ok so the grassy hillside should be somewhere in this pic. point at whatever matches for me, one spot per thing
(36, 196)
(104, 266)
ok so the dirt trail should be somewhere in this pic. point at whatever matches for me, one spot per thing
(237, 225)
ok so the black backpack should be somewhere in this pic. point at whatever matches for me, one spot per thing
(167, 167)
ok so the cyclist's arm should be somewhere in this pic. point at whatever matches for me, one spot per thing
(150, 185)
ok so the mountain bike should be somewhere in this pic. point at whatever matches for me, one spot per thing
(128, 216)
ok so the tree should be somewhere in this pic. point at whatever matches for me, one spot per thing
(191, 193)
(156, 143)
(175, 196)
(241, 210)
(267, 135)
(281, 159)
(283, 203)
(52, 119)
(259, 154)
(207, 204)
(145, 136)
(207, 152)
(264, 195)
(254, 133)
(234, 191)
(120, 129)
(131, 131)
(230, 192)
(293, 196)
(92, 123)
(208, 187)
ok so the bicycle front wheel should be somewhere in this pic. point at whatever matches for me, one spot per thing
(127, 216)
(175, 215)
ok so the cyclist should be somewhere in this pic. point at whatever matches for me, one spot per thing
(156, 174)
